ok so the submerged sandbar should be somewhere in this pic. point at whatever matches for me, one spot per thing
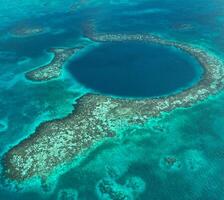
(28, 31)
(96, 117)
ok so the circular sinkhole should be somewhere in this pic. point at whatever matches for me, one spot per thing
(135, 69)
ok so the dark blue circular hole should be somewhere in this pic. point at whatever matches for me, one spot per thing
(135, 69)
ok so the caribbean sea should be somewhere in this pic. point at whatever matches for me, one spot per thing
(194, 136)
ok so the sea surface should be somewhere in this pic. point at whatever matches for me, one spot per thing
(194, 136)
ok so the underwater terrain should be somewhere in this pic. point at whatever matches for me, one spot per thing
(112, 100)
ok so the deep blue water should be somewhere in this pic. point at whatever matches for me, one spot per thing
(193, 135)
(135, 69)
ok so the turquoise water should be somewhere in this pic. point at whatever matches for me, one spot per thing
(194, 136)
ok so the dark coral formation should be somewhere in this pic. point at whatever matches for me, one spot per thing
(57, 141)
(108, 188)
(67, 194)
(96, 116)
(170, 163)
(54, 68)
(191, 160)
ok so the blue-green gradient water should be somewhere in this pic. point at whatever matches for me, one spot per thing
(194, 136)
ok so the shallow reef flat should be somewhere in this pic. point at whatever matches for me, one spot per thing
(109, 189)
(28, 31)
(78, 131)
(97, 117)
(54, 68)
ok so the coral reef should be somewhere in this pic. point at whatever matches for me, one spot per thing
(27, 31)
(170, 163)
(191, 160)
(96, 117)
(110, 189)
(54, 68)
(57, 141)
(67, 194)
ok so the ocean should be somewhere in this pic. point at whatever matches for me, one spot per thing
(136, 164)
